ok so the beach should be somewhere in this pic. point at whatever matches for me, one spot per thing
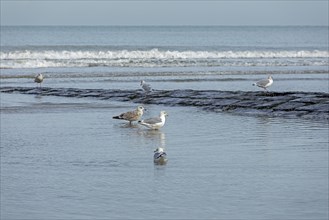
(63, 156)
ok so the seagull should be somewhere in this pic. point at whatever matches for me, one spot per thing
(156, 122)
(146, 87)
(264, 83)
(132, 115)
(160, 157)
(39, 79)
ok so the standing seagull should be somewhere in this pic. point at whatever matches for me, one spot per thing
(160, 157)
(39, 79)
(156, 122)
(146, 87)
(264, 83)
(132, 115)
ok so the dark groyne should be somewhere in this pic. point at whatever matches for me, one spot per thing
(308, 105)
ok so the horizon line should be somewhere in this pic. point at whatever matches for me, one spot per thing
(168, 25)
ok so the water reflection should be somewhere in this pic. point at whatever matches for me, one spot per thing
(264, 120)
(287, 134)
(158, 139)
(128, 125)
(38, 96)
(155, 135)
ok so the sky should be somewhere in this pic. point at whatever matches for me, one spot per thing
(164, 12)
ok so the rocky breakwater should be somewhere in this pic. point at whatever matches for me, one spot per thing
(307, 105)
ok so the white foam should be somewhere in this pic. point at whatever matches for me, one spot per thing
(154, 57)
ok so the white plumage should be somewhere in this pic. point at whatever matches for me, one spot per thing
(39, 79)
(156, 122)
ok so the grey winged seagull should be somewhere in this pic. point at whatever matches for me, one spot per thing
(264, 83)
(156, 122)
(146, 87)
(39, 79)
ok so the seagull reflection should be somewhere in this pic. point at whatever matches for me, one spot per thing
(158, 139)
(156, 135)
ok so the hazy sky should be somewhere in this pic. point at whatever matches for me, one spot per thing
(160, 12)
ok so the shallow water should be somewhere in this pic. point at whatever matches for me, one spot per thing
(282, 82)
(169, 57)
(66, 158)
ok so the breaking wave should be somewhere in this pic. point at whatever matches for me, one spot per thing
(159, 58)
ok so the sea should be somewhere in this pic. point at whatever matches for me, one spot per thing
(66, 158)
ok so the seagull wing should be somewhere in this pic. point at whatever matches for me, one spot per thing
(154, 120)
(158, 155)
(129, 116)
(146, 87)
(263, 82)
(38, 79)
(133, 115)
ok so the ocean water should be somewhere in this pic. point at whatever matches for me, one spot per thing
(66, 158)
(214, 57)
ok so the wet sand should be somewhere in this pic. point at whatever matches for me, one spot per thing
(308, 105)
